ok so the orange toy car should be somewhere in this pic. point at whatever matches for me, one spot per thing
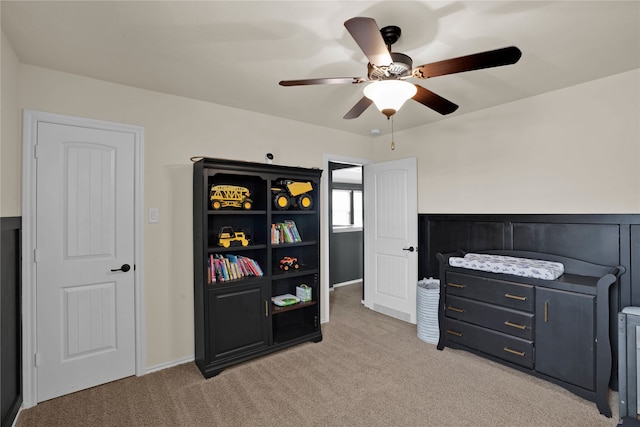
(289, 262)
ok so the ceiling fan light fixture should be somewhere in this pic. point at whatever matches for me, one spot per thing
(389, 95)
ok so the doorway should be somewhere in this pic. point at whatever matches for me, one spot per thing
(346, 243)
(331, 164)
(82, 252)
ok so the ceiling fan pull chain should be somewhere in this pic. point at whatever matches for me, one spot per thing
(393, 144)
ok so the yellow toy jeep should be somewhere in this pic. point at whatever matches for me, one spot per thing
(230, 237)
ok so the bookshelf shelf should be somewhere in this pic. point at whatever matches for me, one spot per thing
(236, 282)
(236, 212)
(302, 271)
(235, 320)
(290, 213)
(303, 243)
(277, 309)
(220, 249)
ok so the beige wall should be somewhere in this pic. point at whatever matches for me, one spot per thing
(175, 129)
(10, 145)
(575, 150)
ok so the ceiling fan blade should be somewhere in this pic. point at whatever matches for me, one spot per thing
(433, 101)
(477, 61)
(359, 108)
(366, 33)
(325, 81)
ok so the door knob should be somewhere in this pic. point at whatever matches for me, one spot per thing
(124, 268)
(410, 249)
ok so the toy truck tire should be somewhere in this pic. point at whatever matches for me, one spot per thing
(246, 205)
(282, 201)
(305, 202)
(216, 204)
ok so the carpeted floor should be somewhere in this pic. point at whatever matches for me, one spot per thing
(369, 370)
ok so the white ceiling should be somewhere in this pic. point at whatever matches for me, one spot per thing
(234, 53)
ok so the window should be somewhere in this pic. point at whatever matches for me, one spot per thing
(347, 208)
(357, 208)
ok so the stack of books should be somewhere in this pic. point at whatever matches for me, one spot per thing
(285, 232)
(222, 268)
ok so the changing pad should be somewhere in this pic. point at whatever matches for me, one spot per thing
(539, 269)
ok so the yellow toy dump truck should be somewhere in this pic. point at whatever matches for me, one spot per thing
(230, 196)
(292, 193)
(230, 237)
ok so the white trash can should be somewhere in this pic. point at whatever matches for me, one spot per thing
(427, 310)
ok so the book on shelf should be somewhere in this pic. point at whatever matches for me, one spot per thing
(210, 270)
(222, 268)
(285, 300)
(285, 232)
(294, 229)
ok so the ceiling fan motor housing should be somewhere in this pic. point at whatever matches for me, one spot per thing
(401, 66)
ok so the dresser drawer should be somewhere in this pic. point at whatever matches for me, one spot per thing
(507, 294)
(509, 321)
(506, 347)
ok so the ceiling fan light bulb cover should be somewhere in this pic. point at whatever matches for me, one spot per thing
(389, 95)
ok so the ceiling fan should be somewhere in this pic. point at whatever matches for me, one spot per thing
(389, 70)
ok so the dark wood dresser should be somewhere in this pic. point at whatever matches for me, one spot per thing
(557, 330)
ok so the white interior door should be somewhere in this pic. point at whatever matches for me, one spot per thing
(85, 300)
(390, 238)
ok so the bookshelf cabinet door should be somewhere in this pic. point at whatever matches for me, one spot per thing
(238, 321)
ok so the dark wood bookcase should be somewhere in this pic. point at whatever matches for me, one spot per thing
(235, 319)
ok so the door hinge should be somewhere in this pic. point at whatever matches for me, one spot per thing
(36, 255)
(35, 151)
(37, 359)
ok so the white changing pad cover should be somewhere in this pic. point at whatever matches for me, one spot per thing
(539, 269)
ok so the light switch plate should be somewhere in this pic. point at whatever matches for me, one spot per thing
(154, 215)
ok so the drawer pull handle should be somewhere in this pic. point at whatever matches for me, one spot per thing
(515, 325)
(517, 353)
(459, 310)
(458, 334)
(455, 285)
(519, 298)
(266, 308)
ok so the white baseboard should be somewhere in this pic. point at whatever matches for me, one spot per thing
(15, 420)
(350, 282)
(169, 364)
